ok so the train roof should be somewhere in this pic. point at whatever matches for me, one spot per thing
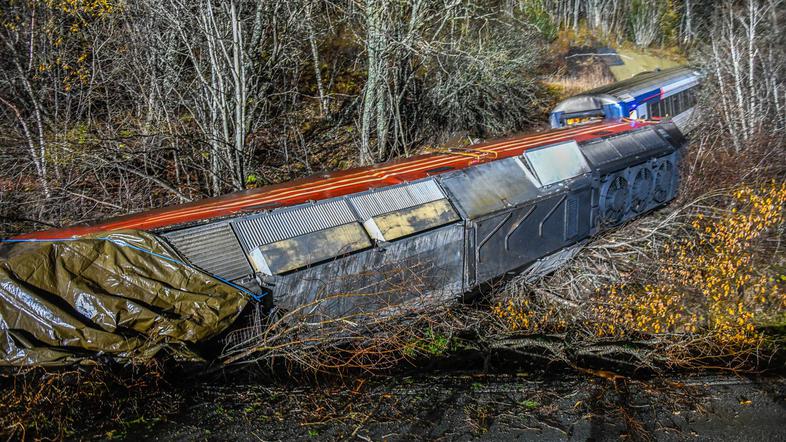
(632, 87)
(336, 184)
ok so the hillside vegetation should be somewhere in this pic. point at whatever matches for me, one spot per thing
(109, 107)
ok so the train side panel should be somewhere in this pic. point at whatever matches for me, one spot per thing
(434, 239)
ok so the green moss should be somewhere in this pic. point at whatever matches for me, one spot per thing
(432, 344)
(529, 404)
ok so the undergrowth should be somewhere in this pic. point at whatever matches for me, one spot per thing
(58, 403)
(699, 284)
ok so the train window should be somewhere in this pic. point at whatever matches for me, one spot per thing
(690, 98)
(684, 101)
(560, 162)
(582, 120)
(672, 105)
(656, 109)
(676, 104)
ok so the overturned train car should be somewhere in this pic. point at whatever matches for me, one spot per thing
(444, 234)
(662, 95)
(418, 230)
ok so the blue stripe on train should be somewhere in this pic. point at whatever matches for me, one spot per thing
(647, 97)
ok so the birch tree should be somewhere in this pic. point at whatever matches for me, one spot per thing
(373, 92)
(212, 36)
(744, 61)
(443, 65)
(645, 20)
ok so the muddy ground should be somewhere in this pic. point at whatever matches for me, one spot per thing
(540, 404)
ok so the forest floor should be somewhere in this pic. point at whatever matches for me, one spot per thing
(471, 405)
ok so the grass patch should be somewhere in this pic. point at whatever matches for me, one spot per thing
(432, 344)
(529, 404)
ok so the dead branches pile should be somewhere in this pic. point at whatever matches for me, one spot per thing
(614, 303)
(305, 339)
(695, 284)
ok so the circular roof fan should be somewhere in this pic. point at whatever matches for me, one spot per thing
(642, 186)
(663, 179)
(615, 199)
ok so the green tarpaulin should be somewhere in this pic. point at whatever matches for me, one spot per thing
(124, 294)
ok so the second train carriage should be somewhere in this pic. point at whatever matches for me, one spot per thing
(654, 95)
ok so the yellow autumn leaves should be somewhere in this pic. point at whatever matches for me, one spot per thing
(709, 282)
(517, 315)
(63, 25)
(651, 309)
(94, 8)
(79, 13)
(718, 280)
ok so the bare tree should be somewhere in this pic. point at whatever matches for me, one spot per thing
(686, 26)
(744, 62)
(373, 93)
(645, 20)
(213, 38)
(21, 44)
(113, 106)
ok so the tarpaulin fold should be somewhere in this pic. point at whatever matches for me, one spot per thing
(125, 294)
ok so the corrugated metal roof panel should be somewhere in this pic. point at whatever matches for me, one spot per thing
(378, 202)
(213, 248)
(300, 220)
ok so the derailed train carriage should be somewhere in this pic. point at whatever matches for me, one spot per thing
(450, 233)
(660, 95)
(427, 228)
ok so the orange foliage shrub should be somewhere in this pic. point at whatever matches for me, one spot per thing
(714, 283)
(516, 314)
(710, 282)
